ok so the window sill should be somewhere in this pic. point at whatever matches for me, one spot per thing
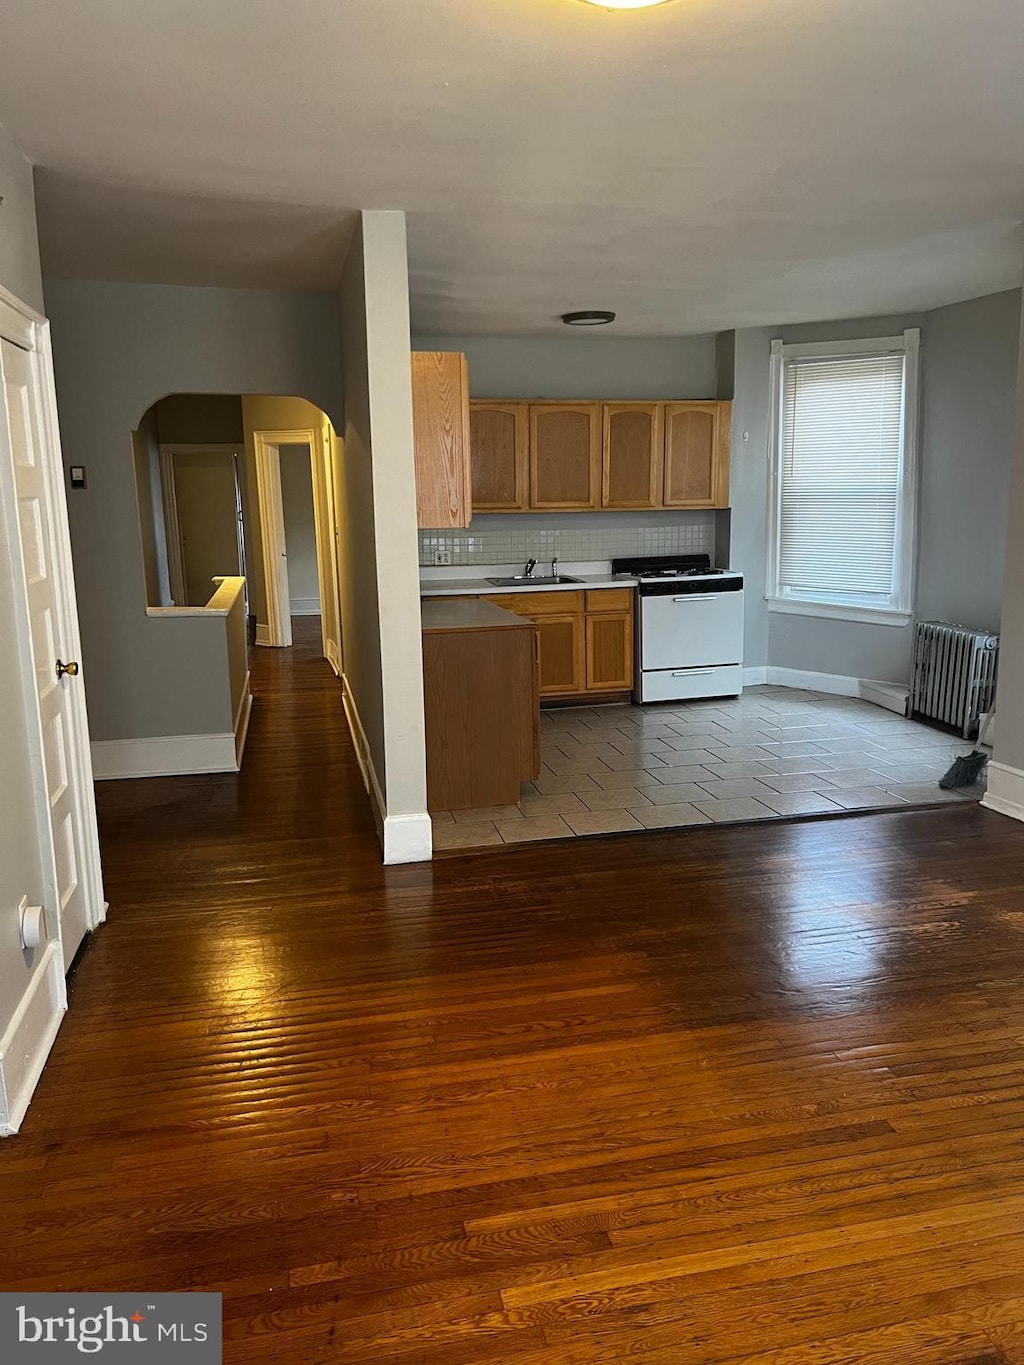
(835, 611)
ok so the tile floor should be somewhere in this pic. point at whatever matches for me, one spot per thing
(772, 753)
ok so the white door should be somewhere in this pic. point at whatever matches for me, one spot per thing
(28, 430)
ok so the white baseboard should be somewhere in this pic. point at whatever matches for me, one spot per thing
(28, 1039)
(333, 656)
(407, 839)
(304, 606)
(755, 677)
(163, 756)
(813, 682)
(404, 838)
(262, 633)
(892, 696)
(362, 748)
(1005, 793)
(242, 723)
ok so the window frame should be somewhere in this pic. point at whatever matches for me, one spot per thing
(900, 612)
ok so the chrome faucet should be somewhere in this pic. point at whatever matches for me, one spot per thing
(531, 564)
(554, 566)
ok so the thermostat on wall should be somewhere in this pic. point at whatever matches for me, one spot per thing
(77, 476)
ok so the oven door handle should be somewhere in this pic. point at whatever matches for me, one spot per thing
(698, 597)
(691, 672)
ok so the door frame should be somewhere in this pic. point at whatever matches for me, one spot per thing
(273, 544)
(29, 330)
(172, 526)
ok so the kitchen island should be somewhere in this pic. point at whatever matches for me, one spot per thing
(481, 702)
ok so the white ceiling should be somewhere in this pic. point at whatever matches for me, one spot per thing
(699, 165)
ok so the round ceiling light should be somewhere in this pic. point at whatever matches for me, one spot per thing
(589, 317)
(626, 4)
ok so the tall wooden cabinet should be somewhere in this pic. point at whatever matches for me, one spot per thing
(440, 413)
(565, 456)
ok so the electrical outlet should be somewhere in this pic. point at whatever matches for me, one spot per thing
(442, 556)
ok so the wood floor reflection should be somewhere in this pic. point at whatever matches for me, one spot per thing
(717, 1095)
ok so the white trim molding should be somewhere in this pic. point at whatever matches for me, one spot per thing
(900, 611)
(879, 693)
(305, 606)
(407, 839)
(1005, 793)
(241, 725)
(839, 611)
(164, 756)
(29, 1037)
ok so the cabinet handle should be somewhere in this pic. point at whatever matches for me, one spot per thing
(690, 672)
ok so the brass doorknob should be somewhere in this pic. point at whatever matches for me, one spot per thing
(70, 669)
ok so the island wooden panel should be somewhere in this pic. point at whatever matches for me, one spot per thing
(481, 703)
(440, 409)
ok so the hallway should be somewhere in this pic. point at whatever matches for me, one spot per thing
(747, 1094)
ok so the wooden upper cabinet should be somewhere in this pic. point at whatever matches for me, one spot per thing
(631, 454)
(499, 436)
(565, 456)
(440, 409)
(696, 455)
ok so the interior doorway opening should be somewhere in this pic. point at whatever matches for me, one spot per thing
(242, 486)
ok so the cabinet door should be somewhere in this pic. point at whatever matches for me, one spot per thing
(565, 456)
(499, 447)
(610, 651)
(697, 454)
(562, 667)
(440, 410)
(631, 454)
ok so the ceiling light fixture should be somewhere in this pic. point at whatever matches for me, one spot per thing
(589, 317)
(626, 4)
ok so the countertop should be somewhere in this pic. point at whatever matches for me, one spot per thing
(453, 616)
(471, 587)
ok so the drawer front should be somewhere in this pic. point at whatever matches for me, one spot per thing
(680, 684)
(540, 603)
(609, 599)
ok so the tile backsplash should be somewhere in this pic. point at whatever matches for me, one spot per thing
(511, 539)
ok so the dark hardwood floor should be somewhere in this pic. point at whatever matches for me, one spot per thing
(739, 1094)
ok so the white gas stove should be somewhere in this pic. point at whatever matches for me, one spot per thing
(689, 637)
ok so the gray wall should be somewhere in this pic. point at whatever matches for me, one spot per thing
(299, 527)
(1009, 729)
(149, 495)
(19, 244)
(117, 349)
(968, 376)
(584, 366)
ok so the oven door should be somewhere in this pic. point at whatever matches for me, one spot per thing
(691, 631)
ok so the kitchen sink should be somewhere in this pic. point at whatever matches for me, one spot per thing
(522, 580)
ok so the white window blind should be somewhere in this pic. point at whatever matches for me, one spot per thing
(840, 478)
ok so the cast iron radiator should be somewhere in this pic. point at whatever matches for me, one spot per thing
(954, 678)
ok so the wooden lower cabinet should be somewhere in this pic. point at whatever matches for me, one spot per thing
(610, 652)
(585, 639)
